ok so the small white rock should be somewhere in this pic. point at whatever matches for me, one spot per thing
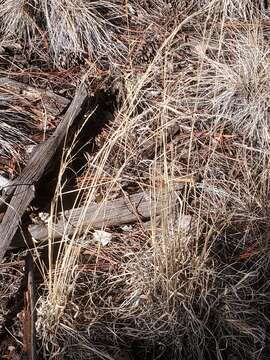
(44, 216)
(102, 237)
(126, 228)
(184, 223)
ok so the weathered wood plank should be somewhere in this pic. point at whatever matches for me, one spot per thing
(24, 186)
(125, 210)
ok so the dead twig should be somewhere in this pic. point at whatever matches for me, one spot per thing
(29, 331)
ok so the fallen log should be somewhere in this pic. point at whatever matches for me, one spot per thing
(22, 190)
(125, 210)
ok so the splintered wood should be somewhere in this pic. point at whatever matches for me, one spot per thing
(22, 191)
(18, 195)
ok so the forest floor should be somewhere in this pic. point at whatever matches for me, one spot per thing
(134, 177)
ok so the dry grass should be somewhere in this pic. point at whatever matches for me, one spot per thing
(65, 31)
(195, 111)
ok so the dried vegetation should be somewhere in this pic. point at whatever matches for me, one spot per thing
(190, 126)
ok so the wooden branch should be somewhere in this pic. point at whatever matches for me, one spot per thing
(24, 186)
(125, 210)
(29, 331)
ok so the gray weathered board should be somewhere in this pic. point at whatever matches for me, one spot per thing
(125, 210)
(22, 191)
